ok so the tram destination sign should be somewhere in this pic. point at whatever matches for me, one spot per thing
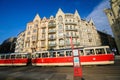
(75, 53)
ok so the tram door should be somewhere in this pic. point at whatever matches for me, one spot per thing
(29, 63)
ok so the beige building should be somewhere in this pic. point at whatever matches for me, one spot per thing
(55, 32)
(20, 42)
(113, 15)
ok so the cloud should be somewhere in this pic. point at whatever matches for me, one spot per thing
(99, 17)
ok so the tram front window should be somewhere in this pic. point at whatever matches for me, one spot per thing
(100, 51)
(108, 50)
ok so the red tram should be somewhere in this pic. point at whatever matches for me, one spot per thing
(88, 56)
(14, 59)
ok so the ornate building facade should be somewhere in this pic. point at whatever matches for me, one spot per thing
(55, 33)
(113, 15)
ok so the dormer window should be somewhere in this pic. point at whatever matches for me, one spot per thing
(92, 24)
(110, 14)
(60, 18)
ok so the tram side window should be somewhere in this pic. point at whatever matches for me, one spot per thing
(89, 52)
(24, 55)
(38, 55)
(2, 57)
(61, 53)
(12, 56)
(33, 55)
(52, 54)
(7, 56)
(44, 55)
(81, 52)
(108, 50)
(18, 56)
(100, 51)
(68, 53)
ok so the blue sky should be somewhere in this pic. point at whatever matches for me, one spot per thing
(15, 14)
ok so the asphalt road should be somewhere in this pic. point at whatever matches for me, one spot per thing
(104, 72)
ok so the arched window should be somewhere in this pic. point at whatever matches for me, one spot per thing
(60, 18)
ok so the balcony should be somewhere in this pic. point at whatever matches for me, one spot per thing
(52, 31)
(71, 29)
(76, 43)
(61, 44)
(51, 25)
(52, 44)
(43, 38)
(34, 40)
(51, 38)
(72, 23)
(43, 46)
(27, 40)
(43, 27)
(33, 46)
(43, 32)
(67, 44)
(73, 36)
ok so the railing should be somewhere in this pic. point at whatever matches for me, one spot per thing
(74, 36)
(52, 44)
(51, 25)
(51, 37)
(74, 23)
(43, 45)
(71, 29)
(68, 43)
(61, 44)
(52, 31)
(43, 26)
(43, 38)
(76, 43)
(33, 46)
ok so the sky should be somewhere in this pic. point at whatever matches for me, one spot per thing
(15, 14)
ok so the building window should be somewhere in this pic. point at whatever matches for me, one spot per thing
(36, 25)
(113, 20)
(34, 30)
(71, 33)
(43, 35)
(34, 37)
(66, 20)
(28, 38)
(90, 40)
(60, 26)
(28, 33)
(43, 30)
(42, 42)
(110, 14)
(60, 18)
(70, 27)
